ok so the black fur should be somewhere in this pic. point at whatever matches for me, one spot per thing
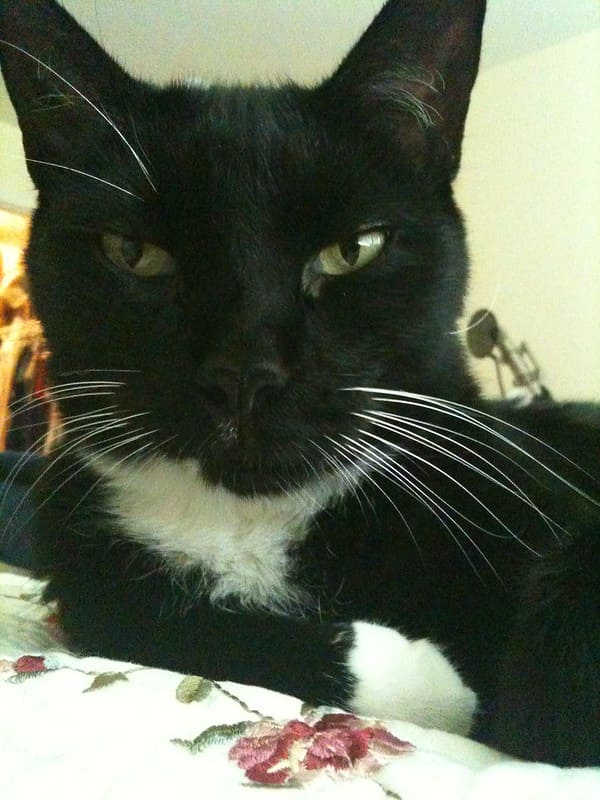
(245, 187)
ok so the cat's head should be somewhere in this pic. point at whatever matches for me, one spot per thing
(216, 267)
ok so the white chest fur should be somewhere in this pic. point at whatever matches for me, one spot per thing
(242, 543)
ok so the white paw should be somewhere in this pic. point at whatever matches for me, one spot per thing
(410, 680)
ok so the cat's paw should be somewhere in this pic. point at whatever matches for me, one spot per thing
(410, 680)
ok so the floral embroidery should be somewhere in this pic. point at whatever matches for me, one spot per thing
(297, 751)
(105, 679)
(24, 668)
(215, 734)
(30, 664)
(193, 689)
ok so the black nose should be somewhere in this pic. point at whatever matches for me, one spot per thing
(239, 392)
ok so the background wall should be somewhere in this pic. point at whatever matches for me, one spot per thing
(16, 190)
(530, 190)
(530, 183)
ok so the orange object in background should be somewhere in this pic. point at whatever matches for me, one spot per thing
(22, 349)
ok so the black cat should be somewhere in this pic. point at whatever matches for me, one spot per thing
(273, 448)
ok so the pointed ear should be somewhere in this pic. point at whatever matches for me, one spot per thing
(61, 82)
(412, 71)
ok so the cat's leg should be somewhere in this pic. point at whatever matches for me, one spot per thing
(548, 704)
(369, 669)
(413, 680)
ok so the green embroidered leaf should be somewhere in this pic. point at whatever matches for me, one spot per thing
(21, 677)
(390, 793)
(193, 689)
(105, 679)
(307, 709)
(216, 734)
(291, 783)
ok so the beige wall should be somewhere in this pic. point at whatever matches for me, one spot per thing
(530, 190)
(16, 190)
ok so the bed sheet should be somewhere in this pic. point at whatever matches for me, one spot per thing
(89, 727)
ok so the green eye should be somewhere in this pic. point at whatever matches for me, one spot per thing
(140, 258)
(352, 254)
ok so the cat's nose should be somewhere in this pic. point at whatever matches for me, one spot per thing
(239, 392)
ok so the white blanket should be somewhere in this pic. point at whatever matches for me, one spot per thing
(89, 727)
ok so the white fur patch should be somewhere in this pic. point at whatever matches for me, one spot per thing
(408, 680)
(243, 542)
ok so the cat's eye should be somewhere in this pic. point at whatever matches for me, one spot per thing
(140, 258)
(353, 253)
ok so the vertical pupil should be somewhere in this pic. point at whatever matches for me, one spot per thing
(350, 251)
(131, 251)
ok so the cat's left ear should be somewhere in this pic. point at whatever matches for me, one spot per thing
(64, 87)
(410, 77)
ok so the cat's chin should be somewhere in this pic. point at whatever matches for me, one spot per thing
(249, 480)
(248, 467)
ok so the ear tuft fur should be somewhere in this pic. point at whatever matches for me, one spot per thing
(412, 72)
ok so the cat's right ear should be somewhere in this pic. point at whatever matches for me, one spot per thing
(408, 79)
(60, 81)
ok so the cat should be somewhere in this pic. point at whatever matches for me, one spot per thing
(276, 467)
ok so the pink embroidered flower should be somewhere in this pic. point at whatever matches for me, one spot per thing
(29, 664)
(275, 753)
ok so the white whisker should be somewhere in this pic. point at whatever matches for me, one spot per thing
(86, 175)
(513, 488)
(68, 424)
(64, 451)
(449, 477)
(392, 464)
(105, 474)
(455, 436)
(488, 310)
(121, 442)
(98, 369)
(431, 500)
(98, 110)
(469, 414)
(343, 450)
(105, 427)
(339, 468)
(58, 392)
